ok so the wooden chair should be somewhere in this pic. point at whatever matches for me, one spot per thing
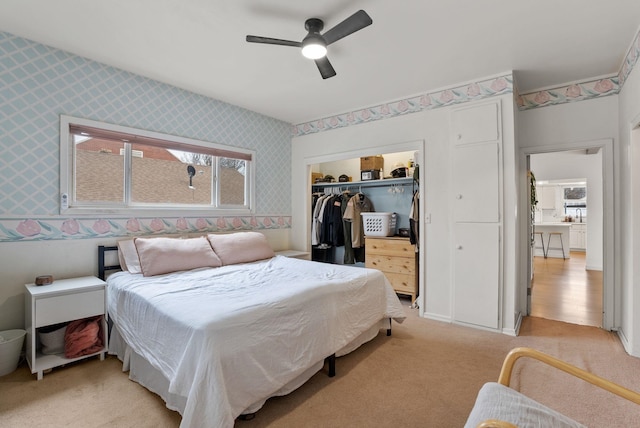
(487, 404)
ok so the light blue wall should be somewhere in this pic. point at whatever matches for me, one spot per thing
(38, 83)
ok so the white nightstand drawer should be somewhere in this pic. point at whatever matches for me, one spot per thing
(56, 309)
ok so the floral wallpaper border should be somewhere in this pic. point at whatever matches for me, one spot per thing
(87, 228)
(570, 93)
(578, 91)
(456, 95)
(601, 87)
(630, 60)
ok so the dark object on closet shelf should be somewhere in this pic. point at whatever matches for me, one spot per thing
(371, 174)
(399, 172)
(404, 232)
(343, 178)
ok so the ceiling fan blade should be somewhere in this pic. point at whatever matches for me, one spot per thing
(271, 41)
(325, 67)
(355, 22)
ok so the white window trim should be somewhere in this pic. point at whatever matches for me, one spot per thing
(67, 179)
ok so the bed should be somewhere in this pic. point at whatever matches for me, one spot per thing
(215, 342)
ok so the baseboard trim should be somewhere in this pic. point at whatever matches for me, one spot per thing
(437, 317)
(625, 342)
(516, 330)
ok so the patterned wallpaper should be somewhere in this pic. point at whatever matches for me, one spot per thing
(38, 83)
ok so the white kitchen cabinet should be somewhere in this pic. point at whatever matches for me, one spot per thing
(578, 236)
(63, 300)
(546, 197)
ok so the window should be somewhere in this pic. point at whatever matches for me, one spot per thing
(121, 170)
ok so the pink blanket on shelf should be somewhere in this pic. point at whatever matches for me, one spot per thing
(83, 337)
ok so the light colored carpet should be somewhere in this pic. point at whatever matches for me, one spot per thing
(427, 374)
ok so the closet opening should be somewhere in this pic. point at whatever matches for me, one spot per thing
(365, 212)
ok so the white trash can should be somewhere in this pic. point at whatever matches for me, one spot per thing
(10, 347)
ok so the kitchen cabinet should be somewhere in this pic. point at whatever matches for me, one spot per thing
(396, 258)
(578, 236)
(546, 197)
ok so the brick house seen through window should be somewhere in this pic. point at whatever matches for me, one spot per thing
(160, 175)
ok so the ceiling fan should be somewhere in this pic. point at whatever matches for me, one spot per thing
(314, 45)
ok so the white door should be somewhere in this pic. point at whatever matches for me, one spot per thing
(476, 273)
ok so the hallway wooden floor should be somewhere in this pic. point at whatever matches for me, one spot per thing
(563, 290)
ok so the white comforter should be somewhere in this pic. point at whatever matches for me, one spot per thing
(228, 337)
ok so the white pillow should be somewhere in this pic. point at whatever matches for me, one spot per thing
(128, 256)
(241, 247)
(164, 255)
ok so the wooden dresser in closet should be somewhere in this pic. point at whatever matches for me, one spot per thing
(396, 258)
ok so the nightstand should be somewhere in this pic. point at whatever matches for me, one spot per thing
(63, 300)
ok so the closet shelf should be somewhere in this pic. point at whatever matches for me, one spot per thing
(367, 184)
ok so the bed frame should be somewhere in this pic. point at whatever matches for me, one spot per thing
(102, 268)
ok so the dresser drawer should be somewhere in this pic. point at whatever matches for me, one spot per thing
(65, 307)
(386, 264)
(390, 247)
(402, 283)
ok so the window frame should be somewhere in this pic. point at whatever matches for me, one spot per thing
(67, 174)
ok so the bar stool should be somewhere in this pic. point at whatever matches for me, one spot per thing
(544, 251)
(549, 247)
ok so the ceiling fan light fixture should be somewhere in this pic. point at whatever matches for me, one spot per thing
(314, 47)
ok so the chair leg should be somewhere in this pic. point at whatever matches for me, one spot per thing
(564, 257)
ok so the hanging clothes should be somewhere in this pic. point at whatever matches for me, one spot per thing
(356, 205)
(351, 255)
(331, 232)
(317, 218)
(414, 221)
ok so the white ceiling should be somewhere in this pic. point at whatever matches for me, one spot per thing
(413, 46)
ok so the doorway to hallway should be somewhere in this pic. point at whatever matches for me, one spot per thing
(599, 252)
(564, 290)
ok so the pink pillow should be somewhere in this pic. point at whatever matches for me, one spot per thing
(241, 247)
(164, 255)
(128, 256)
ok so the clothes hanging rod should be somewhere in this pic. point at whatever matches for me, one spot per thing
(370, 183)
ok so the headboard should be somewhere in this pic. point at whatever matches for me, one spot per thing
(102, 267)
